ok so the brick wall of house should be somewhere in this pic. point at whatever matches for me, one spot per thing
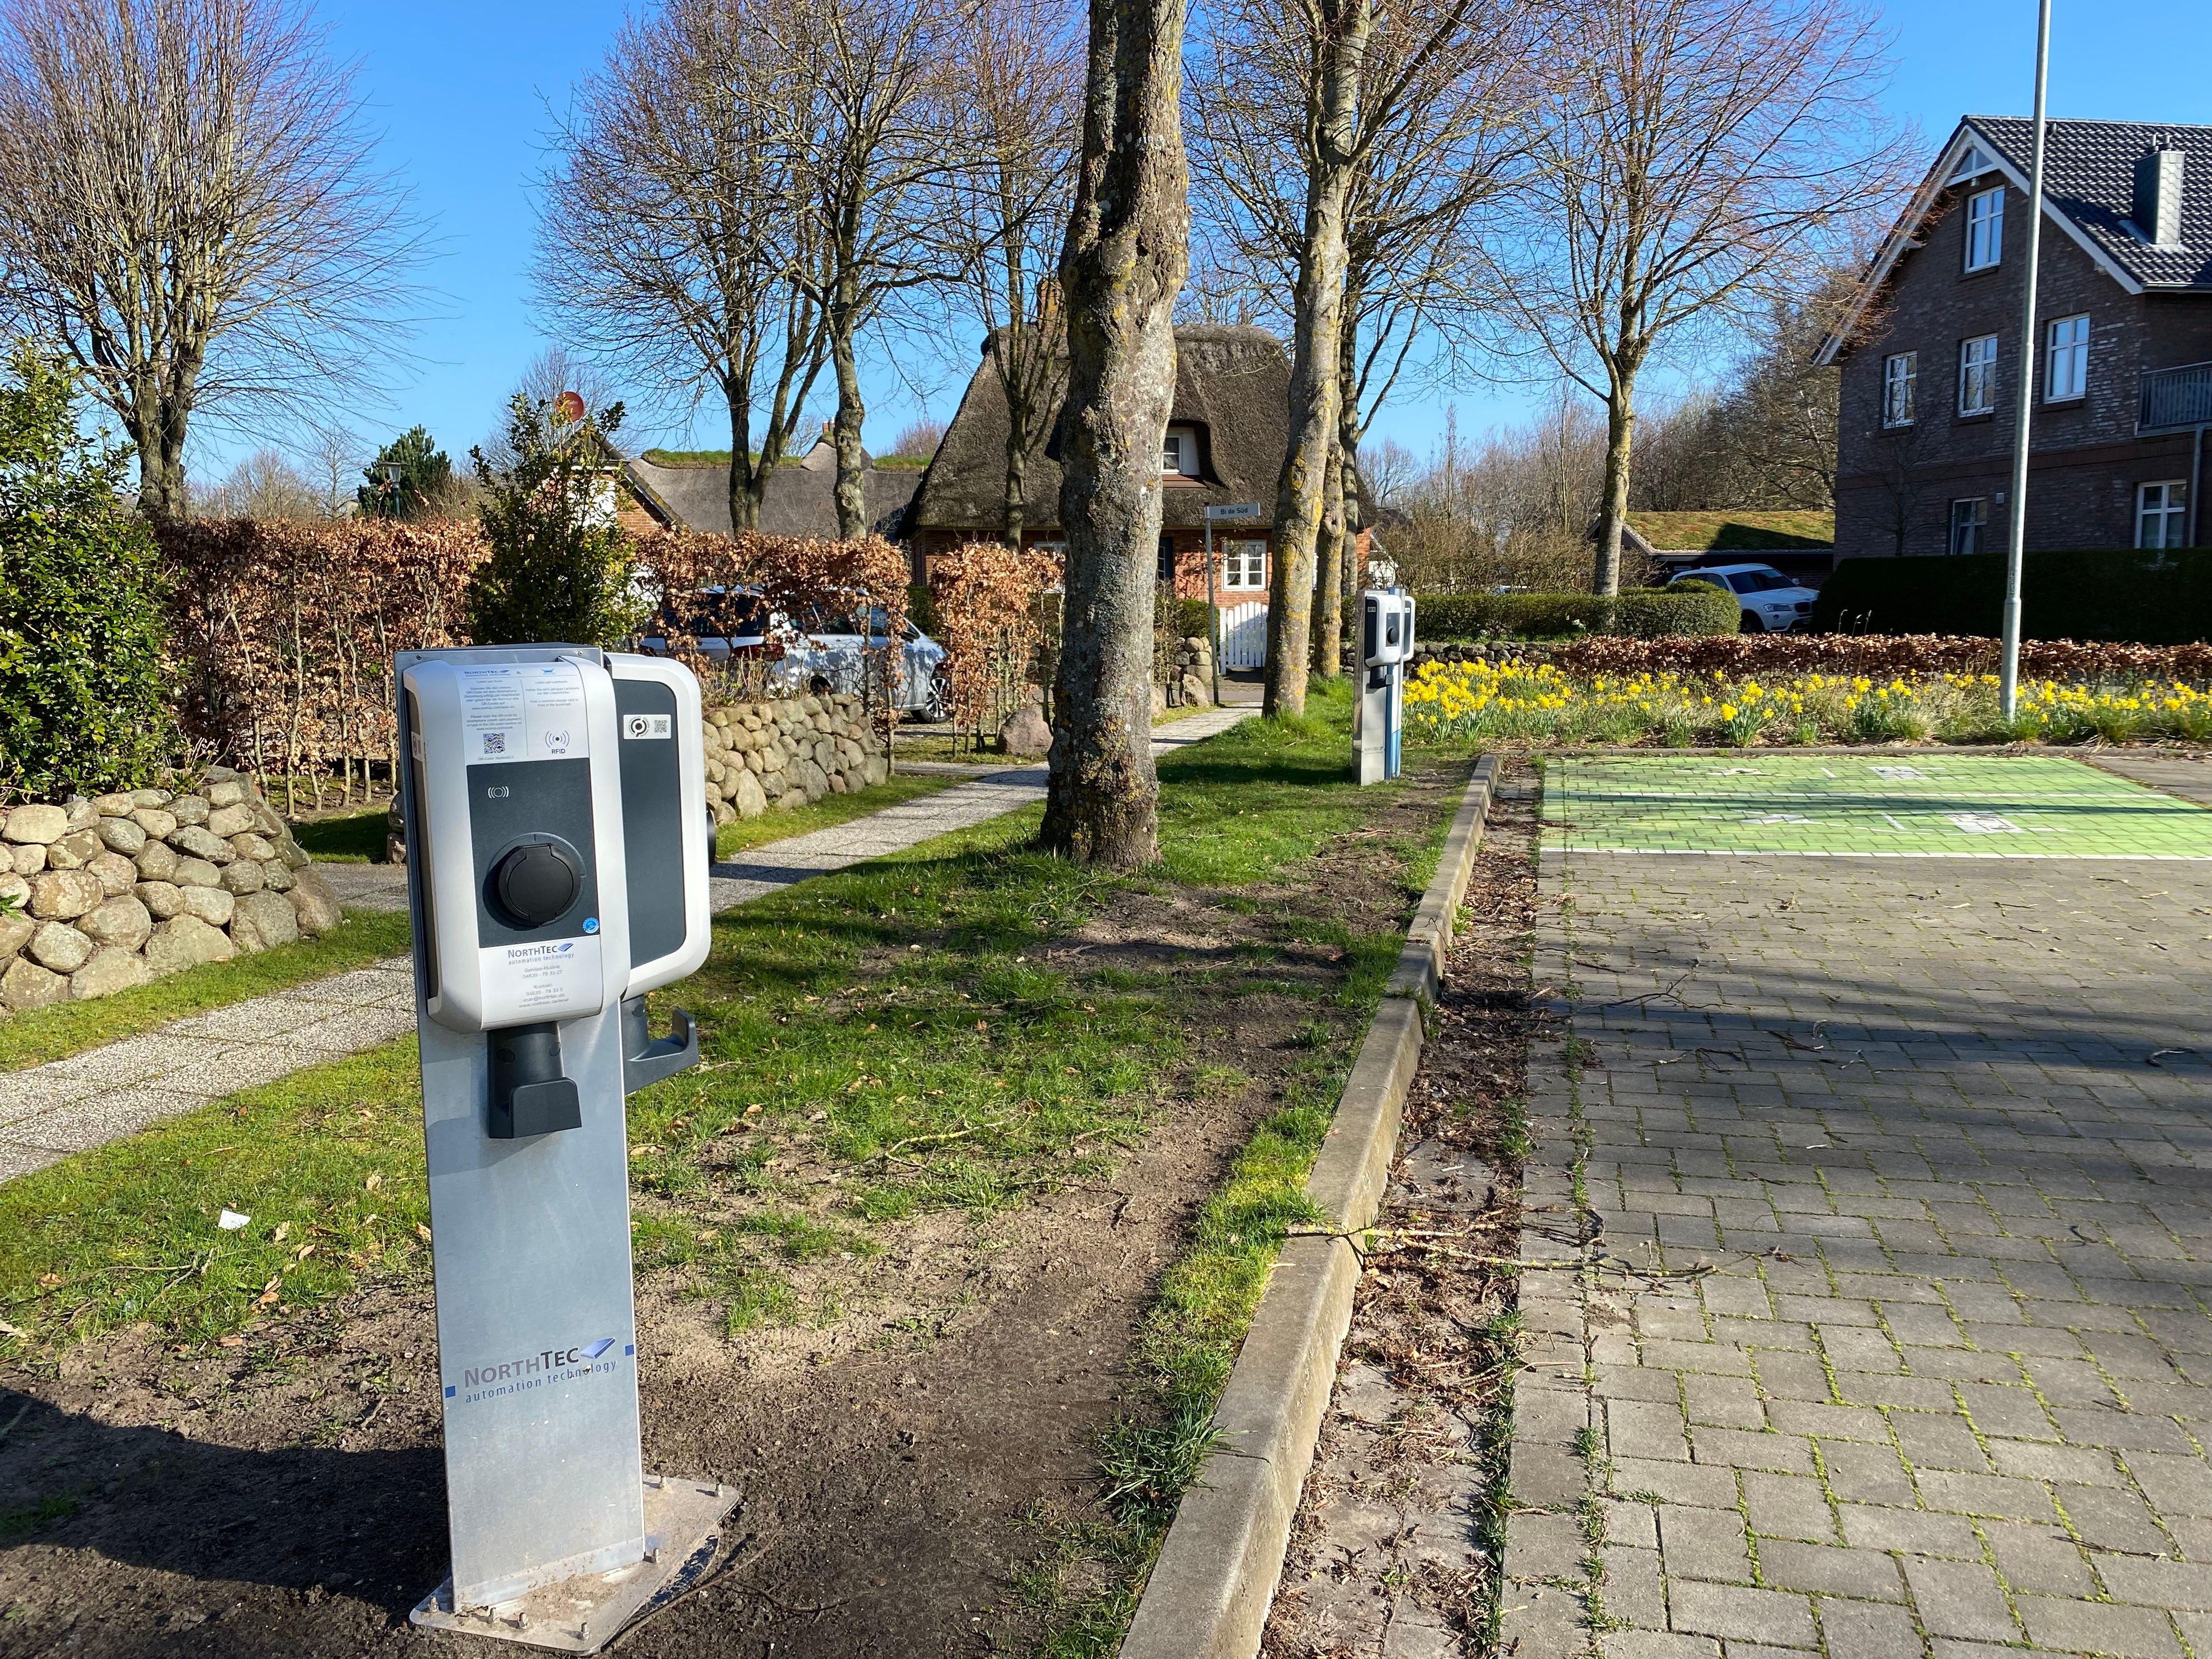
(2085, 460)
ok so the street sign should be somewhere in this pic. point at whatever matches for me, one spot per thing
(1234, 510)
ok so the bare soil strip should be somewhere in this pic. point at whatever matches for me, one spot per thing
(1398, 1537)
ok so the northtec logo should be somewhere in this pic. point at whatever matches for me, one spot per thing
(541, 1365)
(524, 952)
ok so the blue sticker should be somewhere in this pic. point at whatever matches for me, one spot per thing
(449, 1391)
(590, 924)
(629, 1347)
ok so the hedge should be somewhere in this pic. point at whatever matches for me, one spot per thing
(1878, 656)
(2140, 595)
(1640, 613)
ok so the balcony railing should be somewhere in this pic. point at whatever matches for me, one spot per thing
(2173, 398)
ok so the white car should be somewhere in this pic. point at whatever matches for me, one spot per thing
(829, 652)
(1771, 603)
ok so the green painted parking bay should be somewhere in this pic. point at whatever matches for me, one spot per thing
(1875, 806)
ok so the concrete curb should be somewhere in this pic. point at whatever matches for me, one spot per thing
(1209, 1592)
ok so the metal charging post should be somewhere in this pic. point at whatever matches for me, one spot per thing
(1386, 641)
(555, 805)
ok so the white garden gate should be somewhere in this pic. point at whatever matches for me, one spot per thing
(1244, 635)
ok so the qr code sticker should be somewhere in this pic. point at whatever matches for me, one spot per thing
(495, 743)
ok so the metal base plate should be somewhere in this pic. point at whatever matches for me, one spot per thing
(682, 1521)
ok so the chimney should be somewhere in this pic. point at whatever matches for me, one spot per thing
(2158, 197)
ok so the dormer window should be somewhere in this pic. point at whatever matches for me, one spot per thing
(1985, 228)
(1179, 453)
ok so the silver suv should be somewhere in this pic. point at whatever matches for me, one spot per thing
(1772, 602)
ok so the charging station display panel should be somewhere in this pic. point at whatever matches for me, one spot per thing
(666, 824)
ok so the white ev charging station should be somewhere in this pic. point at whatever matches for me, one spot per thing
(557, 865)
(1386, 644)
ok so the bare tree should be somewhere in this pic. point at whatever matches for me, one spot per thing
(1128, 249)
(856, 74)
(1010, 103)
(1692, 156)
(920, 436)
(1342, 145)
(678, 237)
(264, 485)
(551, 372)
(189, 205)
(334, 456)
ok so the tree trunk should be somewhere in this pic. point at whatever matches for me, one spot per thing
(852, 467)
(1613, 506)
(744, 510)
(1127, 248)
(1329, 560)
(1015, 509)
(1346, 574)
(1318, 319)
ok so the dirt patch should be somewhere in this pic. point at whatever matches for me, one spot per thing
(286, 1496)
(1390, 1552)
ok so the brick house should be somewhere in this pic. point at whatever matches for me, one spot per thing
(1930, 348)
(1227, 435)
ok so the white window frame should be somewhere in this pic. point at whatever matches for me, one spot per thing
(2066, 359)
(1975, 523)
(1900, 375)
(1977, 375)
(2165, 500)
(1244, 566)
(1985, 229)
(1179, 453)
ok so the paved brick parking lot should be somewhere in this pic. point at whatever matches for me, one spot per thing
(1889, 1331)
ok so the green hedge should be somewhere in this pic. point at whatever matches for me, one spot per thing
(1191, 621)
(1639, 613)
(2134, 594)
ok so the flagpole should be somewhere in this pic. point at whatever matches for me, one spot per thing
(2017, 508)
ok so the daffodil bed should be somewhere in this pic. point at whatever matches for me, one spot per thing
(1535, 703)
(1892, 805)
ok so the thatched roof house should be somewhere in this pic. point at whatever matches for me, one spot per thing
(801, 498)
(1226, 439)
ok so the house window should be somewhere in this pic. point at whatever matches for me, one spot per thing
(1898, 372)
(1166, 570)
(1977, 375)
(2067, 356)
(1985, 228)
(1970, 525)
(2161, 514)
(1179, 453)
(1243, 566)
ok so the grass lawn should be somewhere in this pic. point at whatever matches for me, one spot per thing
(939, 743)
(39, 1035)
(826, 813)
(343, 837)
(878, 1044)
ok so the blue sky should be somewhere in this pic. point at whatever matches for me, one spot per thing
(461, 92)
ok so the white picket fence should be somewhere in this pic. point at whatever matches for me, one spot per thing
(1244, 635)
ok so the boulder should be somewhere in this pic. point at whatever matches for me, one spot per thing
(1195, 691)
(816, 782)
(227, 792)
(210, 904)
(28, 860)
(62, 895)
(121, 920)
(113, 806)
(150, 798)
(117, 873)
(296, 855)
(314, 903)
(189, 809)
(183, 942)
(201, 843)
(790, 800)
(1159, 702)
(1025, 733)
(264, 921)
(837, 784)
(27, 985)
(80, 813)
(195, 873)
(157, 861)
(242, 878)
(247, 844)
(825, 755)
(121, 834)
(875, 770)
(14, 889)
(15, 933)
(111, 969)
(276, 876)
(157, 824)
(75, 850)
(59, 946)
(747, 797)
(162, 899)
(228, 821)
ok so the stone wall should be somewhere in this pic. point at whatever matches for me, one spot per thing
(120, 889)
(780, 753)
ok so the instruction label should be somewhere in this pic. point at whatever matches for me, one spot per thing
(541, 980)
(523, 711)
